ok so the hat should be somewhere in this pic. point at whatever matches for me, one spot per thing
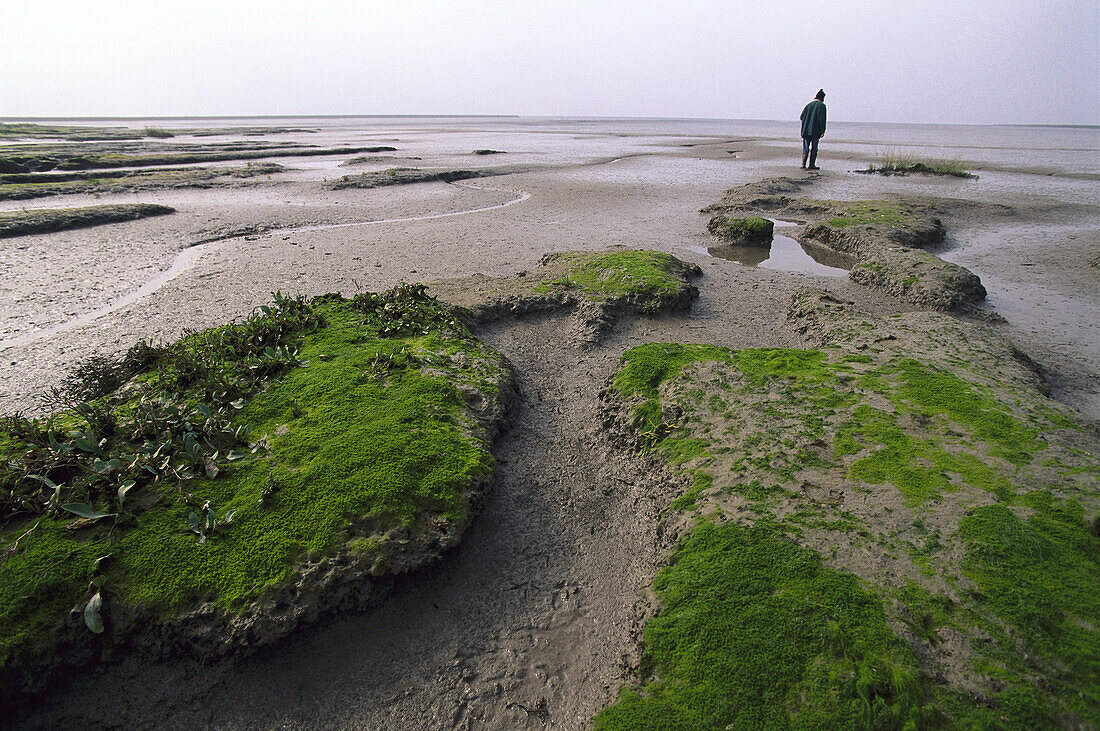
(820, 94)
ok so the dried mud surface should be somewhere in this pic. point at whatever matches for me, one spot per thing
(531, 622)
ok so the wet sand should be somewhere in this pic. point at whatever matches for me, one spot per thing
(589, 188)
(532, 622)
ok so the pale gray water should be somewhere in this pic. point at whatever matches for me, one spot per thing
(1062, 149)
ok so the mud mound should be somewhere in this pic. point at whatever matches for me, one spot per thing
(769, 194)
(247, 480)
(24, 223)
(753, 231)
(128, 181)
(403, 176)
(914, 452)
(597, 288)
(886, 237)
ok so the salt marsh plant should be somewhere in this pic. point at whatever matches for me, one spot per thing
(899, 162)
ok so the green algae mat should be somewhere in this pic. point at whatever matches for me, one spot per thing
(218, 491)
(892, 530)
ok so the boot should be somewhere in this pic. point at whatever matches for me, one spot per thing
(813, 161)
(803, 162)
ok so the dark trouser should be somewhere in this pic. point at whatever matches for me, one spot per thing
(809, 147)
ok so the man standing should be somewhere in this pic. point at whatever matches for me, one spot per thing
(813, 129)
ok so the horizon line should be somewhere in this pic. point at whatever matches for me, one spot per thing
(122, 118)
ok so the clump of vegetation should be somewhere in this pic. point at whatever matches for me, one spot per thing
(488, 152)
(76, 134)
(869, 448)
(236, 455)
(159, 132)
(754, 631)
(599, 276)
(22, 186)
(43, 158)
(752, 231)
(404, 176)
(875, 213)
(174, 424)
(897, 162)
(23, 223)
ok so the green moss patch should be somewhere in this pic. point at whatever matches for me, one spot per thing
(1036, 581)
(913, 453)
(816, 393)
(617, 274)
(238, 455)
(754, 632)
(596, 288)
(870, 213)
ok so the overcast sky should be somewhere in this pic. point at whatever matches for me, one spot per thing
(928, 61)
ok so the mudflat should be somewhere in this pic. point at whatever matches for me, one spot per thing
(535, 619)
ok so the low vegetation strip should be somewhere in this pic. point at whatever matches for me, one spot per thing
(116, 181)
(404, 176)
(74, 133)
(69, 158)
(242, 480)
(912, 467)
(27, 130)
(23, 223)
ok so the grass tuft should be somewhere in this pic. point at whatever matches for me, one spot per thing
(897, 162)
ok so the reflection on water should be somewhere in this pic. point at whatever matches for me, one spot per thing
(786, 254)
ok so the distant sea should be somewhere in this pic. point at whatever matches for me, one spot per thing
(1060, 149)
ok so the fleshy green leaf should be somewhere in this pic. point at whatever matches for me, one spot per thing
(122, 490)
(85, 511)
(91, 614)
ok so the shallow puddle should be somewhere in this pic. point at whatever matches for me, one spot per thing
(786, 254)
